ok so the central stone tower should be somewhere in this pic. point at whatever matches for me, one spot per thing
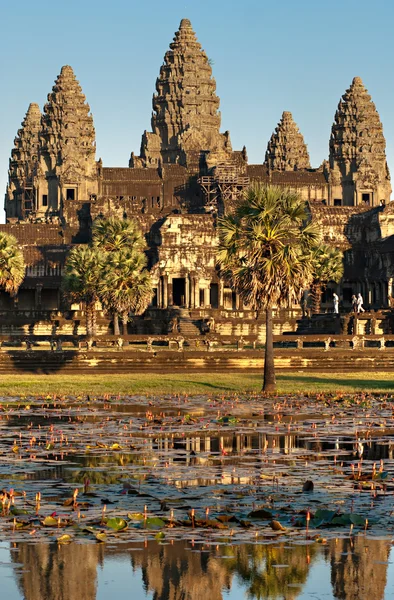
(186, 117)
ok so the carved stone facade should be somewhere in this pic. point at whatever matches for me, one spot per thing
(19, 194)
(185, 175)
(358, 171)
(286, 149)
(186, 118)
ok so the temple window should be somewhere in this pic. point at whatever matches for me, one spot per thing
(45, 199)
(70, 193)
(337, 201)
(365, 198)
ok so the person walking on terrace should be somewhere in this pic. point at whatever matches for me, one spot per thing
(354, 303)
(360, 303)
(336, 303)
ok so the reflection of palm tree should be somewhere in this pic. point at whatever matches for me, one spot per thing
(354, 573)
(58, 573)
(255, 566)
(173, 574)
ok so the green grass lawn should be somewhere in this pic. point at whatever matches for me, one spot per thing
(198, 383)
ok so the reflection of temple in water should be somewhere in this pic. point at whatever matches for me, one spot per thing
(356, 572)
(51, 572)
(171, 572)
(179, 570)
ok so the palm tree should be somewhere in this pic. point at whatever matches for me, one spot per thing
(126, 286)
(81, 281)
(328, 266)
(115, 235)
(265, 254)
(12, 264)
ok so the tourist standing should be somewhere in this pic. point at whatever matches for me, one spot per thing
(336, 303)
(360, 303)
(354, 303)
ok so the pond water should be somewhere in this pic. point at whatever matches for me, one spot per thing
(181, 498)
(358, 568)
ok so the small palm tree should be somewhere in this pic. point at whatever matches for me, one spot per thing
(328, 266)
(116, 235)
(12, 264)
(81, 281)
(265, 254)
(126, 286)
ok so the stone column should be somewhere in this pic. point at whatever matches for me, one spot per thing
(192, 292)
(170, 294)
(236, 301)
(165, 291)
(221, 294)
(159, 293)
(187, 291)
(196, 292)
(207, 299)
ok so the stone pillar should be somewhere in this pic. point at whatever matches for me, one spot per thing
(170, 294)
(196, 292)
(236, 301)
(165, 291)
(390, 288)
(207, 299)
(221, 294)
(192, 281)
(187, 291)
(159, 300)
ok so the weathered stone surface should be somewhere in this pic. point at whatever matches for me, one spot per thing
(186, 118)
(358, 165)
(67, 168)
(286, 149)
(19, 194)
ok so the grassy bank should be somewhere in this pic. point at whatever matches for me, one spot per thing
(198, 383)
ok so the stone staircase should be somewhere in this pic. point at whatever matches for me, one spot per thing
(187, 326)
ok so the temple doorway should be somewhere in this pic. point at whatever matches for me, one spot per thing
(178, 291)
(214, 295)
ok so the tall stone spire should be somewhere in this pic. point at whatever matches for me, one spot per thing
(358, 149)
(286, 150)
(19, 194)
(186, 117)
(67, 145)
(68, 136)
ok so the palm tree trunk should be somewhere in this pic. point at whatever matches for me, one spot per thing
(269, 383)
(316, 293)
(116, 324)
(94, 321)
(125, 320)
(88, 311)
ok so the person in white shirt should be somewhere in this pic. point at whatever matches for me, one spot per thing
(360, 303)
(336, 303)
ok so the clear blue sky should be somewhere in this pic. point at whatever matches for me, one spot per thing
(297, 55)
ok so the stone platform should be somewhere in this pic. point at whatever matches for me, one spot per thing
(191, 361)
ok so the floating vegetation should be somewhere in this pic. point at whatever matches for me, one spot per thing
(245, 469)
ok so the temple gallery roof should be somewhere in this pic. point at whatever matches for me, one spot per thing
(298, 178)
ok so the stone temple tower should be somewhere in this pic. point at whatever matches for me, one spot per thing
(66, 170)
(358, 168)
(19, 201)
(286, 150)
(186, 117)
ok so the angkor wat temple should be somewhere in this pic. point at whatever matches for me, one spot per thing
(186, 174)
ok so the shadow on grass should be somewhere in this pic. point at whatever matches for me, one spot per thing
(336, 382)
(206, 384)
